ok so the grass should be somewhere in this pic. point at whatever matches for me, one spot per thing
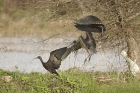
(70, 81)
(17, 22)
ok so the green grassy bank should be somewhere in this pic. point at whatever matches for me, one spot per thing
(70, 81)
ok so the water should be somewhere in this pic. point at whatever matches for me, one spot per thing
(18, 54)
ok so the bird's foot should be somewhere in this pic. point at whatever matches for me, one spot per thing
(87, 60)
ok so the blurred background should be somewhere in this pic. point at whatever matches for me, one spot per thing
(29, 28)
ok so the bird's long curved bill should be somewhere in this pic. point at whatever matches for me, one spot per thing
(34, 58)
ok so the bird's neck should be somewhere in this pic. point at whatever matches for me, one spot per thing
(41, 60)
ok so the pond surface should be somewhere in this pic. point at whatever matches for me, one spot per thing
(18, 54)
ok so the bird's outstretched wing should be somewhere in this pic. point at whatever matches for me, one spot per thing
(90, 41)
(89, 20)
(91, 24)
(59, 54)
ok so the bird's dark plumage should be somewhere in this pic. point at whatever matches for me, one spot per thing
(50, 66)
(55, 59)
(89, 42)
(89, 20)
(90, 23)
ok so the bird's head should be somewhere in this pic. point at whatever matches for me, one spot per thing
(39, 57)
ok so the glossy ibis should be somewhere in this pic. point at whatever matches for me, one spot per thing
(88, 43)
(55, 59)
(91, 24)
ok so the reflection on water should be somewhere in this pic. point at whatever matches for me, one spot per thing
(18, 54)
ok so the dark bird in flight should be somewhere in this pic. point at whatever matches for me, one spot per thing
(91, 24)
(55, 59)
(88, 43)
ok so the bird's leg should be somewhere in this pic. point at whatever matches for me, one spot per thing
(54, 80)
(87, 59)
(85, 45)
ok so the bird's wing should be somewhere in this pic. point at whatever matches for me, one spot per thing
(75, 45)
(90, 40)
(89, 20)
(52, 57)
(67, 52)
(84, 43)
(59, 53)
